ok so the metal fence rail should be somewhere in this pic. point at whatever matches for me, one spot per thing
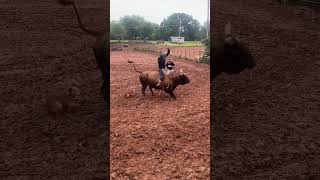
(188, 53)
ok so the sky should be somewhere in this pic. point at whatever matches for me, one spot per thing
(157, 10)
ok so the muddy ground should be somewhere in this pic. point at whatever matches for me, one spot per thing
(153, 137)
(41, 49)
(269, 126)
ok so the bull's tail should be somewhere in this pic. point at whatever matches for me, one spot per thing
(134, 66)
(89, 31)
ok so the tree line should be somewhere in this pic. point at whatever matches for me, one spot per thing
(134, 27)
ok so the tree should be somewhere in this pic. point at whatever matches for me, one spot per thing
(146, 30)
(136, 27)
(203, 30)
(116, 30)
(133, 25)
(156, 32)
(190, 28)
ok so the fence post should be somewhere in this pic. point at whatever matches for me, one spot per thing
(194, 55)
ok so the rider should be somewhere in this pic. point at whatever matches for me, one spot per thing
(170, 66)
(162, 65)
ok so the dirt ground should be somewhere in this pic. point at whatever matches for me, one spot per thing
(269, 126)
(153, 137)
(42, 47)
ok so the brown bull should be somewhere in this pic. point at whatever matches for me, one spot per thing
(170, 82)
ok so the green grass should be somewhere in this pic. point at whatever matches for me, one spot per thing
(185, 44)
(116, 41)
(168, 43)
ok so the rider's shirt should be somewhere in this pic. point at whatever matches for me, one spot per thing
(170, 65)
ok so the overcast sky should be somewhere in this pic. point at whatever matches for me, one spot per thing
(157, 10)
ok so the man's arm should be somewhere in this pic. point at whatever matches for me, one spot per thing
(168, 52)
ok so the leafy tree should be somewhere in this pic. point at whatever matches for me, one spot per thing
(133, 25)
(203, 30)
(116, 30)
(156, 32)
(190, 28)
(136, 27)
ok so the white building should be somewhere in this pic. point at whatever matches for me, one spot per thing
(176, 39)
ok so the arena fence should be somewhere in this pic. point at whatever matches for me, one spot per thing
(188, 53)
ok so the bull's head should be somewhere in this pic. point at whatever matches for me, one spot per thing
(183, 78)
(231, 56)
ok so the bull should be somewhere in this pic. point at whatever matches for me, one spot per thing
(230, 55)
(100, 47)
(169, 84)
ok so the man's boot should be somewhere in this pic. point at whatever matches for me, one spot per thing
(159, 83)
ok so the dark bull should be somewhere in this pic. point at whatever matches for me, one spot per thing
(230, 55)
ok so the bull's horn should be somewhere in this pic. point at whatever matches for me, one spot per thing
(227, 29)
(181, 71)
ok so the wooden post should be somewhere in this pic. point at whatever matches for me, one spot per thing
(194, 55)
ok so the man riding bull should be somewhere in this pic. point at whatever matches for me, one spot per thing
(162, 65)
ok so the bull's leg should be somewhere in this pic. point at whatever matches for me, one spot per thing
(150, 88)
(143, 90)
(172, 95)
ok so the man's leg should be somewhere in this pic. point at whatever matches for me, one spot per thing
(161, 77)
